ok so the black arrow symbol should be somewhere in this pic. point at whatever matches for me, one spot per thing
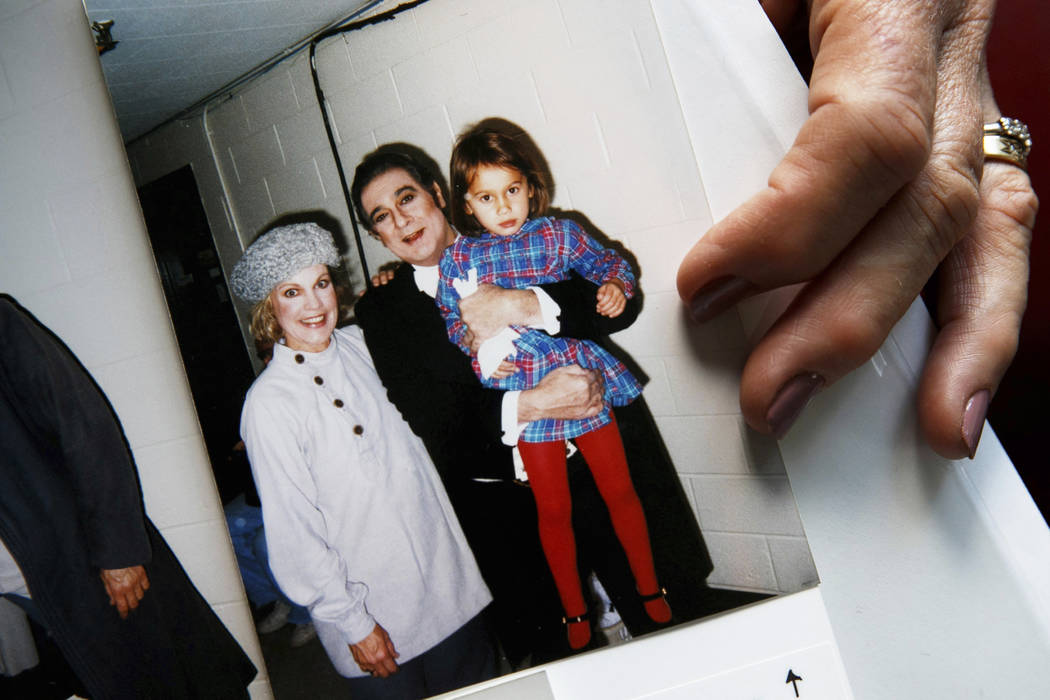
(793, 680)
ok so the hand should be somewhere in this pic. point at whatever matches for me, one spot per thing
(125, 587)
(882, 184)
(375, 653)
(491, 309)
(565, 393)
(611, 299)
(505, 369)
(383, 275)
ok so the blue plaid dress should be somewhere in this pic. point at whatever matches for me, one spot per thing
(543, 251)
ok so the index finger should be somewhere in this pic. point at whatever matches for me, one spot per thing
(871, 102)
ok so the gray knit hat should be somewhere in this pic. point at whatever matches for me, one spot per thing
(277, 255)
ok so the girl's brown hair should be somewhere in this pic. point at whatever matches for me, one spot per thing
(481, 146)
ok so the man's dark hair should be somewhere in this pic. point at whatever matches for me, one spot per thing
(382, 160)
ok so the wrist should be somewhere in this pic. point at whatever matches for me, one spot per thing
(526, 308)
(549, 312)
(528, 410)
(522, 306)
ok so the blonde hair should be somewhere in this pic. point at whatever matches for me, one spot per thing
(263, 325)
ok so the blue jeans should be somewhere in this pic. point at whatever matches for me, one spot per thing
(249, 544)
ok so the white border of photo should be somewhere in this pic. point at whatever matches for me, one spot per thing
(928, 567)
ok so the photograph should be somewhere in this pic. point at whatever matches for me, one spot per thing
(440, 115)
(552, 349)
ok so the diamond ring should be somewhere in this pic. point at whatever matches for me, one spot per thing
(1008, 140)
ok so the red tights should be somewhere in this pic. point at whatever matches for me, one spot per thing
(603, 451)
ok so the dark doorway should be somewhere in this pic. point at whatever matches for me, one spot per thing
(213, 350)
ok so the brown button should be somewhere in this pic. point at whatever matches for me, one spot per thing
(338, 403)
(318, 381)
(300, 359)
(358, 430)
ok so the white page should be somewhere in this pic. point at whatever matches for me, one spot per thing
(971, 550)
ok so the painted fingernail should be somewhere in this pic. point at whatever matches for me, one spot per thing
(790, 400)
(718, 295)
(973, 419)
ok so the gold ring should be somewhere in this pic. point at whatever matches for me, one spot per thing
(1008, 140)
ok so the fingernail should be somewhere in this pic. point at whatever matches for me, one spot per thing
(718, 295)
(973, 419)
(790, 400)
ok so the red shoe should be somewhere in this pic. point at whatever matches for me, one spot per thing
(656, 606)
(579, 630)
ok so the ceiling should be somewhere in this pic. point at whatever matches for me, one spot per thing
(172, 53)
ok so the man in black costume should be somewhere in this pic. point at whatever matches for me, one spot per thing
(431, 382)
(78, 552)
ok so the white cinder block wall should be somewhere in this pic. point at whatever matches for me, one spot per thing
(74, 251)
(588, 80)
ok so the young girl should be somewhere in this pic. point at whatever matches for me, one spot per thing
(499, 195)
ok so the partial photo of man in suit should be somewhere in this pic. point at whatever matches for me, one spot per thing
(397, 195)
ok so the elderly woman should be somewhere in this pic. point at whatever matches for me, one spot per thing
(358, 526)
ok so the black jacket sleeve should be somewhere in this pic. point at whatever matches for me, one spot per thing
(578, 299)
(431, 383)
(67, 415)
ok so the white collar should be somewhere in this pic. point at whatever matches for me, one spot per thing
(427, 275)
(426, 278)
(285, 354)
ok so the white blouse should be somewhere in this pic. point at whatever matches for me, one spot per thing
(358, 525)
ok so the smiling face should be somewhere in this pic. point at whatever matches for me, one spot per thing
(407, 217)
(498, 198)
(306, 308)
